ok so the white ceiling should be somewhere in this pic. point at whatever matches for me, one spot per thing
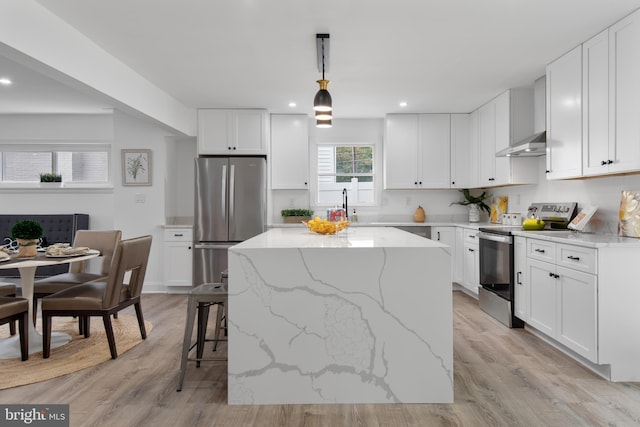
(437, 55)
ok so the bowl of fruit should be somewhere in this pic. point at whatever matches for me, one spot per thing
(324, 226)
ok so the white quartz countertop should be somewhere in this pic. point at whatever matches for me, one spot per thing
(353, 237)
(581, 239)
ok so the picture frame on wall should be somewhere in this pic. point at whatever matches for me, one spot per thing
(136, 167)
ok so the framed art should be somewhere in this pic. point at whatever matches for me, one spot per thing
(136, 167)
(581, 220)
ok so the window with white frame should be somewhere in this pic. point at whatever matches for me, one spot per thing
(81, 163)
(345, 166)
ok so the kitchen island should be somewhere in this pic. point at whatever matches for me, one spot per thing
(364, 316)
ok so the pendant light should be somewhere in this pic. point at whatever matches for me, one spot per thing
(322, 101)
(323, 123)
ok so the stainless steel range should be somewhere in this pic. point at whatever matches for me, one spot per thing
(496, 293)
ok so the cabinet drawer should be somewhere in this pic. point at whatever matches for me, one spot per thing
(576, 257)
(178, 235)
(542, 250)
(471, 236)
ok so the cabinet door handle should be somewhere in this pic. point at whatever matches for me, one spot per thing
(604, 162)
(539, 250)
(575, 258)
(189, 248)
(178, 234)
(555, 276)
(470, 250)
(518, 277)
(472, 236)
(609, 162)
(438, 236)
(550, 274)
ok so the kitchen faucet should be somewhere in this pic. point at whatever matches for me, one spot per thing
(344, 203)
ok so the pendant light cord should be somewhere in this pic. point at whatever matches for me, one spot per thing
(322, 59)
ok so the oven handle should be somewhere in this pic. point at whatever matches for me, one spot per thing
(495, 237)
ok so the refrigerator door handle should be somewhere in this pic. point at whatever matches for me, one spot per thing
(223, 189)
(232, 189)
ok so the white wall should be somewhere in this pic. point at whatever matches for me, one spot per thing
(107, 208)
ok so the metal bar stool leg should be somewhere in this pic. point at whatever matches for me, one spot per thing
(203, 319)
(186, 343)
(219, 314)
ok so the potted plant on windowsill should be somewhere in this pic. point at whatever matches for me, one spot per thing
(475, 203)
(50, 180)
(296, 216)
(27, 233)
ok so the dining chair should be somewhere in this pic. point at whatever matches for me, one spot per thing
(9, 290)
(103, 298)
(12, 309)
(104, 241)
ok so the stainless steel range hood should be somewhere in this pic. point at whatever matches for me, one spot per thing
(533, 146)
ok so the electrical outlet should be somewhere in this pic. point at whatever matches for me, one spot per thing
(140, 198)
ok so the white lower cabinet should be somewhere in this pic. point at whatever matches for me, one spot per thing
(447, 235)
(562, 301)
(178, 257)
(471, 261)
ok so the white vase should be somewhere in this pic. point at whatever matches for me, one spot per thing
(474, 213)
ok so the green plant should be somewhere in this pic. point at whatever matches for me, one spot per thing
(296, 212)
(474, 200)
(50, 177)
(27, 230)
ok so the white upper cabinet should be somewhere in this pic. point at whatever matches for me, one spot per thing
(461, 151)
(400, 148)
(289, 160)
(487, 144)
(417, 151)
(624, 94)
(611, 106)
(503, 121)
(434, 150)
(564, 116)
(232, 132)
(595, 109)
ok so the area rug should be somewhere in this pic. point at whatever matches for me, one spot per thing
(80, 353)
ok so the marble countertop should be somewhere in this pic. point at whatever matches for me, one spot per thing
(590, 240)
(474, 225)
(358, 237)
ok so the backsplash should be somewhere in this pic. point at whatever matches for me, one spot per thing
(399, 205)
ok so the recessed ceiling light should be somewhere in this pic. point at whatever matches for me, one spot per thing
(403, 104)
(5, 81)
(292, 104)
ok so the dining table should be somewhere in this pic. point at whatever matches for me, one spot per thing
(10, 347)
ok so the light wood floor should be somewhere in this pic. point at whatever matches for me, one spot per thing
(503, 377)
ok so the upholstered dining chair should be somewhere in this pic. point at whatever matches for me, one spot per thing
(104, 241)
(103, 298)
(9, 290)
(12, 309)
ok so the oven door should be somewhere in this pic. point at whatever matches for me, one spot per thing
(496, 263)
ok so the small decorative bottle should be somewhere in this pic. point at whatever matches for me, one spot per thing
(354, 217)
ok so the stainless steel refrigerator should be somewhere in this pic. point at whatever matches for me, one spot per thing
(230, 206)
